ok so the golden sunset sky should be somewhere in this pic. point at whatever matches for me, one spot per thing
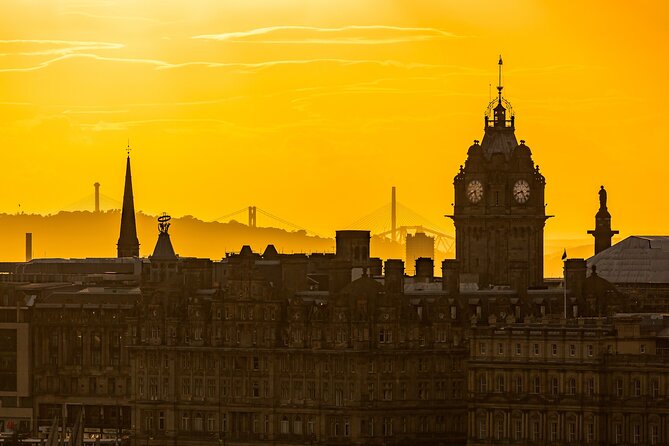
(314, 109)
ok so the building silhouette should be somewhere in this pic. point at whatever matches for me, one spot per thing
(343, 348)
(602, 232)
(499, 211)
(128, 243)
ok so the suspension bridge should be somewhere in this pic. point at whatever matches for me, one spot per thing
(393, 221)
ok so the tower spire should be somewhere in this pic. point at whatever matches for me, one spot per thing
(128, 244)
(499, 83)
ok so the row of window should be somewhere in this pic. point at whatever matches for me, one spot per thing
(189, 360)
(387, 391)
(535, 349)
(534, 432)
(336, 426)
(568, 386)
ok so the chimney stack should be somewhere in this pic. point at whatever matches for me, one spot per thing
(575, 272)
(394, 276)
(424, 270)
(97, 197)
(29, 246)
(450, 276)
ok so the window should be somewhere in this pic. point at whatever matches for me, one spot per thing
(148, 421)
(636, 433)
(140, 386)
(297, 425)
(197, 388)
(519, 384)
(388, 391)
(590, 432)
(554, 349)
(482, 428)
(517, 430)
(500, 349)
(499, 384)
(211, 422)
(482, 348)
(153, 387)
(535, 349)
(554, 430)
(185, 386)
(619, 387)
(642, 348)
(554, 386)
(636, 385)
(387, 427)
(423, 391)
(654, 433)
(483, 385)
(211, 388)
(284, 426)
(655, 388)
(536, 385)
(518, 349)
(161, 420)
(536, 433)
(96, 349)
(499, 429)
(618, 433)
(571, 432)
(572, 350)
(185, 421)
(571, 386)
(589, 350)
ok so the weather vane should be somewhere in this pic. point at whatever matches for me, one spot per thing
(164, 223)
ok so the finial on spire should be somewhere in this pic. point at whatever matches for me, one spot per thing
(499, 84)
(127, 149)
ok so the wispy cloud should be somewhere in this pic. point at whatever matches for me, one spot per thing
(110, 17)
(44, 47)
(346, 35)
(163, 65)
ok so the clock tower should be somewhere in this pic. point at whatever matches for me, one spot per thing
(499, 212)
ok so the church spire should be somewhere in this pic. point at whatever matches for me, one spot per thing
(128, 244)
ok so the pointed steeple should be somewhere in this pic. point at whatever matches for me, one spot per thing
(128, 244)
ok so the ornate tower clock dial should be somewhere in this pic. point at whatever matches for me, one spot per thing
(521, 191)
(475, 191)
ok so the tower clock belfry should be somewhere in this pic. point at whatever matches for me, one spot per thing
(499, 212)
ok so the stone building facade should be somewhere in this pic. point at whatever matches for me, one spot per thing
(582, 381)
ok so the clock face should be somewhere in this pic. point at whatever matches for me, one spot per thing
(521, 191)
(475, 191)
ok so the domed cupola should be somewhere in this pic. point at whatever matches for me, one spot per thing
(522, 151)
(475, 149)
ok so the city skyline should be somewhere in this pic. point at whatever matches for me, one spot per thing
(286, 95)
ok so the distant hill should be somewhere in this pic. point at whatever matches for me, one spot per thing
(90, 234)
(80, 234)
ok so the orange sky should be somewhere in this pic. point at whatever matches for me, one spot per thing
(314, 109)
